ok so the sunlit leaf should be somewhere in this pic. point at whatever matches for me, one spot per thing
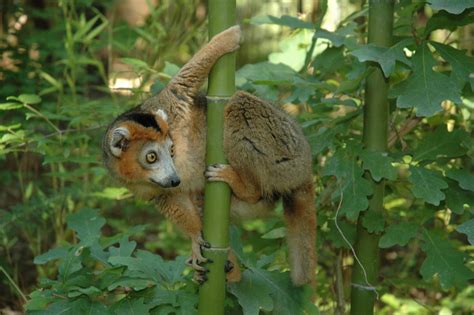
(468, 229)
(452, 6)
(427, 185)
(444, 260)
(425, 88)
(398, 234)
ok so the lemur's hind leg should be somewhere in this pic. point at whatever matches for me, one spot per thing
(245, 191)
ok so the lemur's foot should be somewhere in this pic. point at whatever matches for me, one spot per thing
(230, 37)
(200, 277)
(229, 266)
(220, 173)
(196, 256)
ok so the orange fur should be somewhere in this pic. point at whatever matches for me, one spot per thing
(127, 164)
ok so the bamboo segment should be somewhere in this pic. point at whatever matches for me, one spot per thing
(217, 194)
(376, 112)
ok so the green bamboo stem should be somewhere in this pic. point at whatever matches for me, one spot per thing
(217, 195)
(376, 112)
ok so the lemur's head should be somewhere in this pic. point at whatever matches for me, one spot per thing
(138, 151)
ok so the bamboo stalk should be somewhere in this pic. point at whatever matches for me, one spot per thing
(217, 194)
(376, 112)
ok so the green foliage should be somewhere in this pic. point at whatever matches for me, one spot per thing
(128, 280)
(445, 261)
(425, 89)
(385, 57)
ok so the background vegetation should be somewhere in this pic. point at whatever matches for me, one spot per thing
(71, 240)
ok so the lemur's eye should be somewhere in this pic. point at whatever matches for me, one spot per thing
(172, 150)
(151, 157)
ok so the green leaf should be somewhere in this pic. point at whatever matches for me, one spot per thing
(445, 20)
(398, 234)
(384, 56)
(445, 261)
(373, 221)
(125, 250)
(463, 177)
(87, 223)
(379, 164)
(52, 254)
(90, 291)
(342, 36)
(348, 229)
(265, 71)
(170, 69)
(457, 199)
(70, 263)
(427, 185)
(468, 229)
(462, 65)
(285, 20)
(452, 6)
(114, 193)
(253, 293)
(275, 233)
(39, 300)
(441, 144)
(126, 282)
(425, 88)
(29, 98)
(153, 267)
(128, 306)
(354, 188)
(10, 106)
(270, 291)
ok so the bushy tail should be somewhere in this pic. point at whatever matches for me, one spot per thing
(300, 215)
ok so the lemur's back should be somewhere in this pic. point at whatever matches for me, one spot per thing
(262, 143)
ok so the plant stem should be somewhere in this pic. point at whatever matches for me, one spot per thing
(217, 194)
(17, 289)
(375, 139)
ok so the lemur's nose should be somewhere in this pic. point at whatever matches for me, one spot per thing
(175, 182)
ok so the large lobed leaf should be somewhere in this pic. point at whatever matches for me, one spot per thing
(384, 56)
(427, 185)
(452, 6)
(462, 65)
(398, 234)
(354, 188)
(425, 89)
(441, 144)
(87, 223)
(444, 260)
(468, 229)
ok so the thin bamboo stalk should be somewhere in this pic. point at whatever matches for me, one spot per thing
(217, 194)
(376, 112)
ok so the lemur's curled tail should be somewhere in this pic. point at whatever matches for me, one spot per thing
(300, 216)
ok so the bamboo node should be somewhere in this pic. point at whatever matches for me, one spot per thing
(365, 287)
(217, 249)
(217, 99)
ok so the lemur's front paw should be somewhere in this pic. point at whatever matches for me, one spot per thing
(218, 172)
(230, 38)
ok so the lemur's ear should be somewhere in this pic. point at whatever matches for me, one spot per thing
(119, 140)
(162, 121)
(162, 114)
